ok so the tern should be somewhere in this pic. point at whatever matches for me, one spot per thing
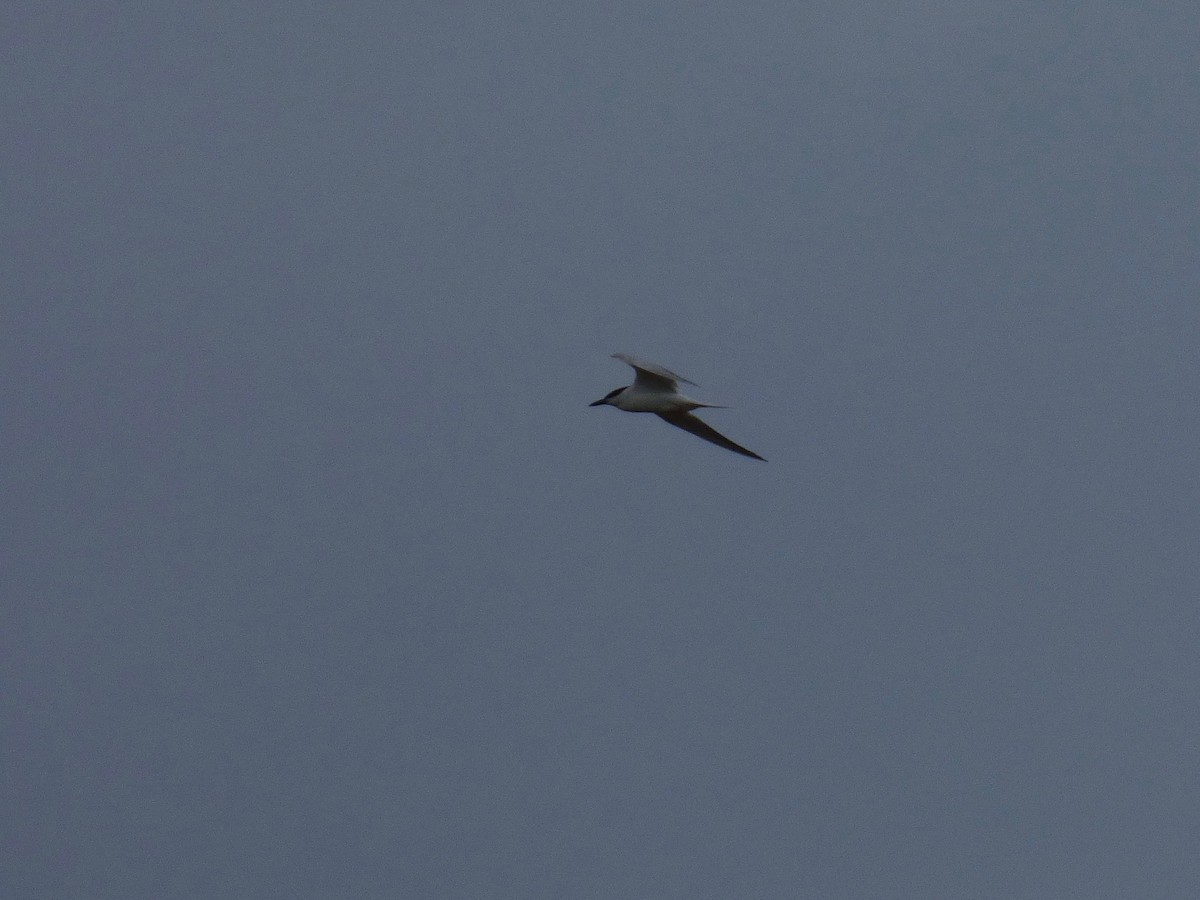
(656, 390)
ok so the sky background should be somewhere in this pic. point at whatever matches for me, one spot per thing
(320, 579)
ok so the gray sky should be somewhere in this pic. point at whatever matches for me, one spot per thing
(320, 578)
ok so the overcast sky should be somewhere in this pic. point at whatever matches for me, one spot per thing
(320, 579)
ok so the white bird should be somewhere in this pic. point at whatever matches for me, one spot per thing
(656, 390)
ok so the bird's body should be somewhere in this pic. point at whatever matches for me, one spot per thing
(636, 398)
(656, 390)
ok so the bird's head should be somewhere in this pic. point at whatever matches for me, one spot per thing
(607, 399)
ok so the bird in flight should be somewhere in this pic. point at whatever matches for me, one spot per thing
(656, 390)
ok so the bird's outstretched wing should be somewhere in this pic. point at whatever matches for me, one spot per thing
(692, 425)
(651, 374)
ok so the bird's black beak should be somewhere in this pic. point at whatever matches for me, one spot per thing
(599, 402)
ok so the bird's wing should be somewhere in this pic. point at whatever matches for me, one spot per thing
(650, 374)
(692, 425)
